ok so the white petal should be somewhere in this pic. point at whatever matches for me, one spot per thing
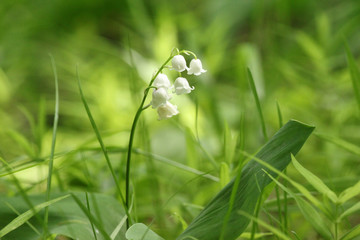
(162, 81)
(167, 111)
(159, 97)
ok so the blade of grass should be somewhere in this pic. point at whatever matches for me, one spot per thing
(349, 211)
(118, 228)
(279, 114)
(308, 211)
(354, 73)
(316, 182)
(263, 126)
(298, 186)
(91, 217)
(352, 148)
(27, 222)
(177, 165)
(20, 189)
(20, 220)
(53, 142)
(257, 101)
(349, 193)
(265, 225)
(354, 232)
(102, 145)
(277, 153)
(88, 207)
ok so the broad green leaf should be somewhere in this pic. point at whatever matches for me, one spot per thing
(350, 211)
(276, 152)
(66, 217)
(349, 193)
(314, 181)
(355, 232)
(140, 231)
(354, 73)
(308, 211)
(21, 219)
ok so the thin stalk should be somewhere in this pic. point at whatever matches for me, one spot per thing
(88, 207)
(285, 205)
(51, 158)
(132, 134)
(336, 225)
(279, 206)
(257, 101)
(282, 218)
(257, 211)
(102, 145)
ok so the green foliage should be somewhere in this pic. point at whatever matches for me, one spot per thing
(304, 62)
(140, 231)
(66, 217)
(276, 152)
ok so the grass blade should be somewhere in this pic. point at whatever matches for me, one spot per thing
(349, 193)
(316, 182)
(354, 73)
(350, 211)
(265, 225)
(277, 153)
(88, 207)
(20, 220)
(102, 145)
(352, 233)
(352, 148)
(53, 142)
(308, 211)
(91, 217)
(258, 106)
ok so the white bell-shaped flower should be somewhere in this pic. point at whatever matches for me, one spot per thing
(166, 111)
(159, 97)
(178, 63)
(196, 67)
(162, 81)
(181, 86)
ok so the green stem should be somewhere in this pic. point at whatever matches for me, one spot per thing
(336, 222)
(132, 135)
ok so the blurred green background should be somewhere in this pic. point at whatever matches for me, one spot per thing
(294, 48)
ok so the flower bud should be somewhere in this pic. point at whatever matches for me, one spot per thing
(196, 67)
(178, 63)
(162, 81)
(181, 86)
(166, 111)
(159, 97)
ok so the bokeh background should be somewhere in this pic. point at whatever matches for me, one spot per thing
(295, 50)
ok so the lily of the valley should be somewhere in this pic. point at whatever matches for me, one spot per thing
(181, 86)
(196, 67)
(166, 111)
(162, 81)
(178, 63)
(160, 97)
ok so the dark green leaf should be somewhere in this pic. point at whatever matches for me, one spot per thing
(277, 152)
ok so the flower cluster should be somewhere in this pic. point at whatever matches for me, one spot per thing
(162, 85)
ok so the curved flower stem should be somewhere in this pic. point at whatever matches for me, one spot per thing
(132, 134)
